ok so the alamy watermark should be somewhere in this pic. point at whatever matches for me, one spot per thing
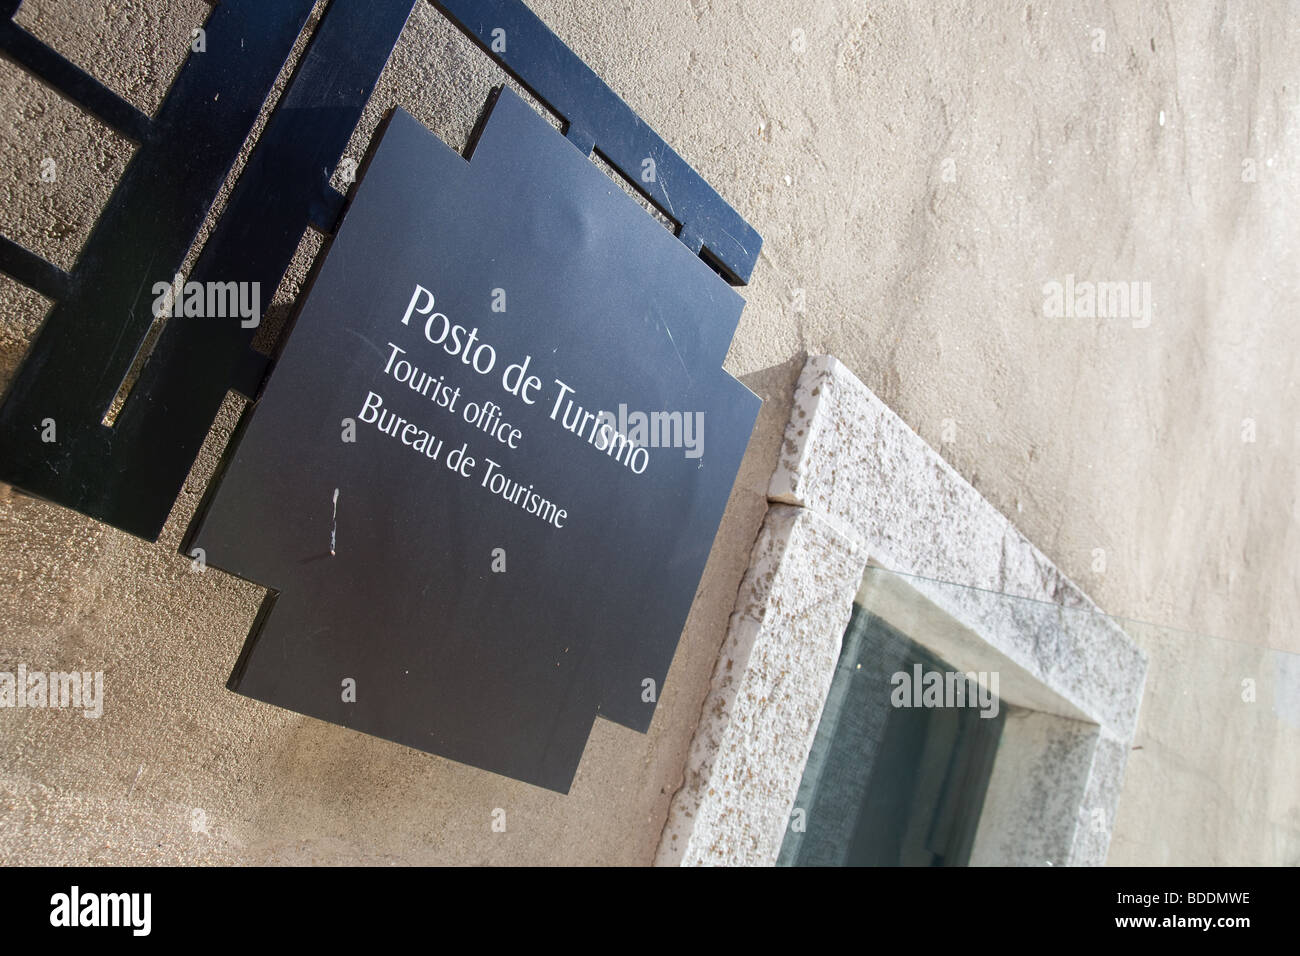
(73, 690)
(209, 300)
(1098, 300)
(659, 429)
(133, 911)
(922, 688)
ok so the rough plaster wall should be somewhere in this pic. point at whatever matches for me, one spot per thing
(1088, 433)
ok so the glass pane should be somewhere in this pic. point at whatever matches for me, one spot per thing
(936, 748)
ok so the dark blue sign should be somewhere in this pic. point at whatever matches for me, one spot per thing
(485, 475)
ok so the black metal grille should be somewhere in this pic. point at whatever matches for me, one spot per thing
(129, 474)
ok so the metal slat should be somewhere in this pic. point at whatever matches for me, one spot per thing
(538, 59)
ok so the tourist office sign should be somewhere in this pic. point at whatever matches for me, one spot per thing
(485, 475)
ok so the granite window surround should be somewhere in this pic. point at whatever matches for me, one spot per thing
(862, 510)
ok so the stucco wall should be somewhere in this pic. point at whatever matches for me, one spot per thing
(923, 276)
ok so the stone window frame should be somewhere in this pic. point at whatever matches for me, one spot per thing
(861, 508)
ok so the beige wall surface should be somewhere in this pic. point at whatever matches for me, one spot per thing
(919, 171)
